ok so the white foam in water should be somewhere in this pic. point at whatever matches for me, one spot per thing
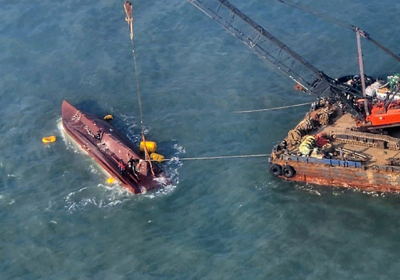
(91, 196)
(170, 168)
(115, 193)
(69, 142)
(180, 149)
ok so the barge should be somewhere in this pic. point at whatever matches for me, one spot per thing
(337, 154)
(350, 137)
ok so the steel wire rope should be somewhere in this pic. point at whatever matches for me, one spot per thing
(128, 10)
(138, 88)
(217, 157)
(271, 109)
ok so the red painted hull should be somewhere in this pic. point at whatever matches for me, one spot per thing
(109, 149)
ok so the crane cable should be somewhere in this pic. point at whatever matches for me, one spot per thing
(129, 20)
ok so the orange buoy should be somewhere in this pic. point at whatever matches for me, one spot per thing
(49, 139)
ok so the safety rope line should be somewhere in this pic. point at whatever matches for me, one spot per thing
(271, 109)
(217, 157)
(129, 20)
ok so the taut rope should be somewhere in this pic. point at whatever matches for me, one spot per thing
(218, 157)
(129, 20)
(271, 109)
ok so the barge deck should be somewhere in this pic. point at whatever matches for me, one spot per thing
(344, 158)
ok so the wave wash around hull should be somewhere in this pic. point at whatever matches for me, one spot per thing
(110, 149)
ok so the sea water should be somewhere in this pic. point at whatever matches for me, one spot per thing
(221, 219)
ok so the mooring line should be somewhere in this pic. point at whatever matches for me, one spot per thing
(216, 157)
(271, 109)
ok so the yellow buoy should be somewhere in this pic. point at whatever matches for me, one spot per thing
(151, 146)
(108, 118)
(110, 180)
(49, 139)
(157, 157)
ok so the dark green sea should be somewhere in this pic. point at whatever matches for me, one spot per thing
(221, 219)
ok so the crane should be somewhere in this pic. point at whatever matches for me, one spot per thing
(306, 76)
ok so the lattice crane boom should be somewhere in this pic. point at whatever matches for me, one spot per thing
(260, 41)
(276, 53)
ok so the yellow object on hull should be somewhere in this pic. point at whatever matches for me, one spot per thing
(151, 146)
(157, 157)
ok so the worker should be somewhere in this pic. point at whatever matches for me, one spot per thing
(138, 165)
(284, 146)
(122, 169)
(356, 81)
(132, 164)
(98, 135)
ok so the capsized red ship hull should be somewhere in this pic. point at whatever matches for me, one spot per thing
(109, 148)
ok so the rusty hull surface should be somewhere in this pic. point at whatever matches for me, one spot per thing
(112, 147)
(366, 178)
(374, 174)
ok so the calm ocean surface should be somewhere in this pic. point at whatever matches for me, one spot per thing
(222, 219)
